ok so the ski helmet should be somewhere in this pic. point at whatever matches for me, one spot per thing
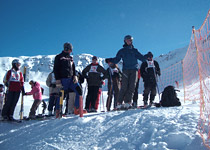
(67, 46)
(128, 37)
(14, 62)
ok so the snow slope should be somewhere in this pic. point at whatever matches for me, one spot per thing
(153, 129)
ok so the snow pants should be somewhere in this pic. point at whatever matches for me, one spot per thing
(34, 107)
(91, 97)
(129, 79)
(52, 101)
(10, 104)
(113, 89)
(149, 89)
(68, 85)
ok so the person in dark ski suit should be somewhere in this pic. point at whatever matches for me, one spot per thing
(65, 74)
(149, 71)
(129, 55)
(93, 73)
(14, 81)
(114, 76)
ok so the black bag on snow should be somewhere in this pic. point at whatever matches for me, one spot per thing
(169, 97)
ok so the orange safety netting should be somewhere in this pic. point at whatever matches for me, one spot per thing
(193, 72)
(193, 75)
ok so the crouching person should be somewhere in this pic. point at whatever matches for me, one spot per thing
(37, 95)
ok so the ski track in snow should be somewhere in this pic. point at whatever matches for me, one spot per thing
(154, 128)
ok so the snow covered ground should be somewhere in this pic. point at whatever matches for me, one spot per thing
(151, 129)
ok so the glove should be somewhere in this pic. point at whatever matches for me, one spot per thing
(58, 83)
(107, 60)
(53, 85)
(75, 79)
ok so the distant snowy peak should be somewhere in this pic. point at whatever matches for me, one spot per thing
(166, 60)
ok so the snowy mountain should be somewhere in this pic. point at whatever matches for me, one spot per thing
(149, 129)
(41, 66)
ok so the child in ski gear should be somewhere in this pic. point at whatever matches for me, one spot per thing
(14, 82)
(37, 95)
(1, 97)
(149, 71)
(135, 96)
(129, 55)
(92, 73)
(65, 74)
(114, 77)
(53, 92)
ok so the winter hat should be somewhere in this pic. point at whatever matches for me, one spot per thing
(94, 57)
(31, 82)
(67, 46)
(149, 54)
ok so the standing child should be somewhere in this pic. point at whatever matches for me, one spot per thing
(37, 95)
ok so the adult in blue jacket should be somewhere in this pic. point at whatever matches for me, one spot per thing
(129, 55)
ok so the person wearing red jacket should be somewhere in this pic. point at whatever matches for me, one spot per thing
(37, 95)
(14, 81)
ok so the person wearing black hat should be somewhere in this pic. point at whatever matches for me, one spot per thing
(65, 74)
(149, 71)
(93, 73)
(129, 55)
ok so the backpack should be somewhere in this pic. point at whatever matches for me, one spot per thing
(169, 97)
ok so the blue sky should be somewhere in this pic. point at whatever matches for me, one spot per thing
(40, 27)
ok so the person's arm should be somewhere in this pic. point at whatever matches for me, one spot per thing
(116, 59)
(157, 68)
(56, 68)
(139, 56)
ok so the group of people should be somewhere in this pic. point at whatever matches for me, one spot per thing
(123, 85)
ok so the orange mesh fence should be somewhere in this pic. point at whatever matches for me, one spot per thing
(196, 74)
(193, 75)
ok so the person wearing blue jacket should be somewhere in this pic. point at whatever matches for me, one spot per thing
(129, 56)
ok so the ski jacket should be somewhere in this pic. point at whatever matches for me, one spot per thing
(147, 71)
(36, 91)
(14, 80)
(93, 74)
(64, 67)
(50, 82)
(129, 55)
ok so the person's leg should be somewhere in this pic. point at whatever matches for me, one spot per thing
(7, 105)
(132, 79)
(124, 87)
(146, 93)
(34, 107)
(16, 96)
(94, 96)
